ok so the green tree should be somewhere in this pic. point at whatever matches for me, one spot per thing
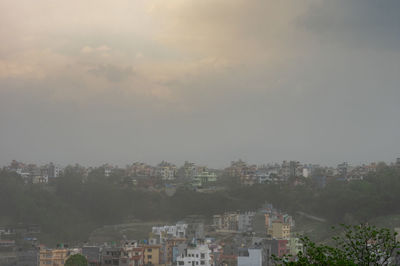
(356, 245)
(76, 260)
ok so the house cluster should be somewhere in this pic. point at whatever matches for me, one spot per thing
(191, 175)
(294, 170)
(35, 174)
(179, 244)
(11, 252)
(229, 239)
(255, 248)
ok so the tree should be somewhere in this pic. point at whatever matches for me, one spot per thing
(356, 245)
(76, 260)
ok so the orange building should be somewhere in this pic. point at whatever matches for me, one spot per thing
(53, 257)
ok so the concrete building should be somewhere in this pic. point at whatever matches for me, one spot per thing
(110, 256)
(279, 247)
(204, 178)
(195, 255)
(166, 171)
(170, 253)
(195, 230)
(295, 246)
(152, 255)
(53, 257)
(159, 234)
(279, 230)
(249, 257)
(342, 169)
(27, 257)
(245, 221)
(228, 221)
(92, 254)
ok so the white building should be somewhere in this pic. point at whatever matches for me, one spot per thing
(167, 172)
(250, 257)
(161, 233)
(195, 255)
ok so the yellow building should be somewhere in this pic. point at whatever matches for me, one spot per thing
(53, 257)
(279, 230)
(152, 254)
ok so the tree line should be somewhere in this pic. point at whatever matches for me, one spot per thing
(72, 206)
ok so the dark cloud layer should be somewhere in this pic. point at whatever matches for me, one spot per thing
(360, 23)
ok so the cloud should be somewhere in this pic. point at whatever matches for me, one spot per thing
(357, 23)
(211, 80)
(111, 72)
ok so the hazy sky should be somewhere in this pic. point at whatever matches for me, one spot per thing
(210, 81)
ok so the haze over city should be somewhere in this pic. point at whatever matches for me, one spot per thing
(207, 81)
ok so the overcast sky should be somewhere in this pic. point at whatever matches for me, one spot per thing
(209, 81)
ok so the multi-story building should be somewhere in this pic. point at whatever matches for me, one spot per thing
(140, 169)
(295, 246)
(226, 222)
(169, 249)
(159, 234)
(195, 230)
(128, 254)
(152, 255)
(195, 255)
(279, 247)
(204, 178)
(189, 169)
(279, 230)
(110, 256)
(166, 171)
(245, 221)
(249, 257)
(92, 254)
(342, 169)
(53, 257)
(53, 170)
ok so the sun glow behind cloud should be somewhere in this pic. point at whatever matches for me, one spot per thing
(171, 69)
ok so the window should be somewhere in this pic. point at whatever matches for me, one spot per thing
(202, 262)
(181, 263)
(149, 256)
(149, 250)
(202, 255)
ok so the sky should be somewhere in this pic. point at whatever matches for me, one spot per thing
(208, 81)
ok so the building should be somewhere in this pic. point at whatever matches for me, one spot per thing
(204, 178)
(53, 257)
(249, 257)
(166, 171)
(195, 230)
(195, 255)
(245, 221)
(279, 247)
(92, 254)
(27, 257)
(342, 169)
(279, 230)
(295, 246)
(152, 254)
(170, 253)
(160, 233)
(53, 171)
(226, 222)
(110, 256)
